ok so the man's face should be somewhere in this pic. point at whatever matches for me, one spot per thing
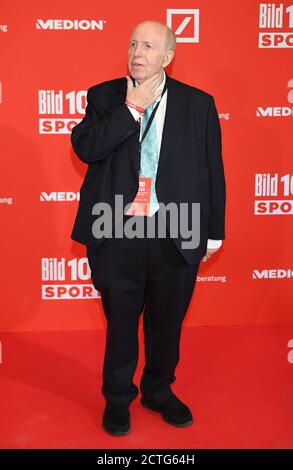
(147, 53)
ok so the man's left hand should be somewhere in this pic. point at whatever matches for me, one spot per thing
(209, 253)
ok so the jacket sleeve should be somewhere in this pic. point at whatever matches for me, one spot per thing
(217, 183)
(101, 132)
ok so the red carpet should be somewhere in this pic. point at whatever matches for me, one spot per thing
(237, 381)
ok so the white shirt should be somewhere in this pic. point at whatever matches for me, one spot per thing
(159, 120)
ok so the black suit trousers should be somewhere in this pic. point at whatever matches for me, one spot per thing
(138, 275)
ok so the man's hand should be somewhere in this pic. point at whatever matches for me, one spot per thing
(209, 253)
(144, 94)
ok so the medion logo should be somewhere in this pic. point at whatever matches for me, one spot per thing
(70, 24)
(274, 111)
(272, 274)
(59, 196)
(278, 111)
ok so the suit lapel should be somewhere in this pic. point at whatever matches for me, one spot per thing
(133, 143)
(170, 127)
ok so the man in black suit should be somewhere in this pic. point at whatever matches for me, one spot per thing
(176, 151)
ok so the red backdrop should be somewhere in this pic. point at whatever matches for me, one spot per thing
(241, 53)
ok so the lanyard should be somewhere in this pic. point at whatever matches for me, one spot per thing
(151, 118)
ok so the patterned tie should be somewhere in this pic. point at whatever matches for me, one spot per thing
(149, 157)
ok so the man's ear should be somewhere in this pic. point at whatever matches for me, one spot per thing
(168, 58)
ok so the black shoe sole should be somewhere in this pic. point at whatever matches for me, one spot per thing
(118, 432)
(157, 408)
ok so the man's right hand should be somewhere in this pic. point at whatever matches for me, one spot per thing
(144, 94)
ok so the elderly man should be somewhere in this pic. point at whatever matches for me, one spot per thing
(153, 141)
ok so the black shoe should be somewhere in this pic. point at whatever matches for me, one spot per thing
(116, 419)
(173, 411)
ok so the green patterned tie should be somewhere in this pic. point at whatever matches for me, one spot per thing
(149, 157)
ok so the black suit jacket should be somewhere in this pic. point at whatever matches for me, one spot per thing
(190, 167)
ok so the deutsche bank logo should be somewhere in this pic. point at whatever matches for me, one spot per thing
(179, 20)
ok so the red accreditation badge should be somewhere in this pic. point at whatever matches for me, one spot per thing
(141, 203)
